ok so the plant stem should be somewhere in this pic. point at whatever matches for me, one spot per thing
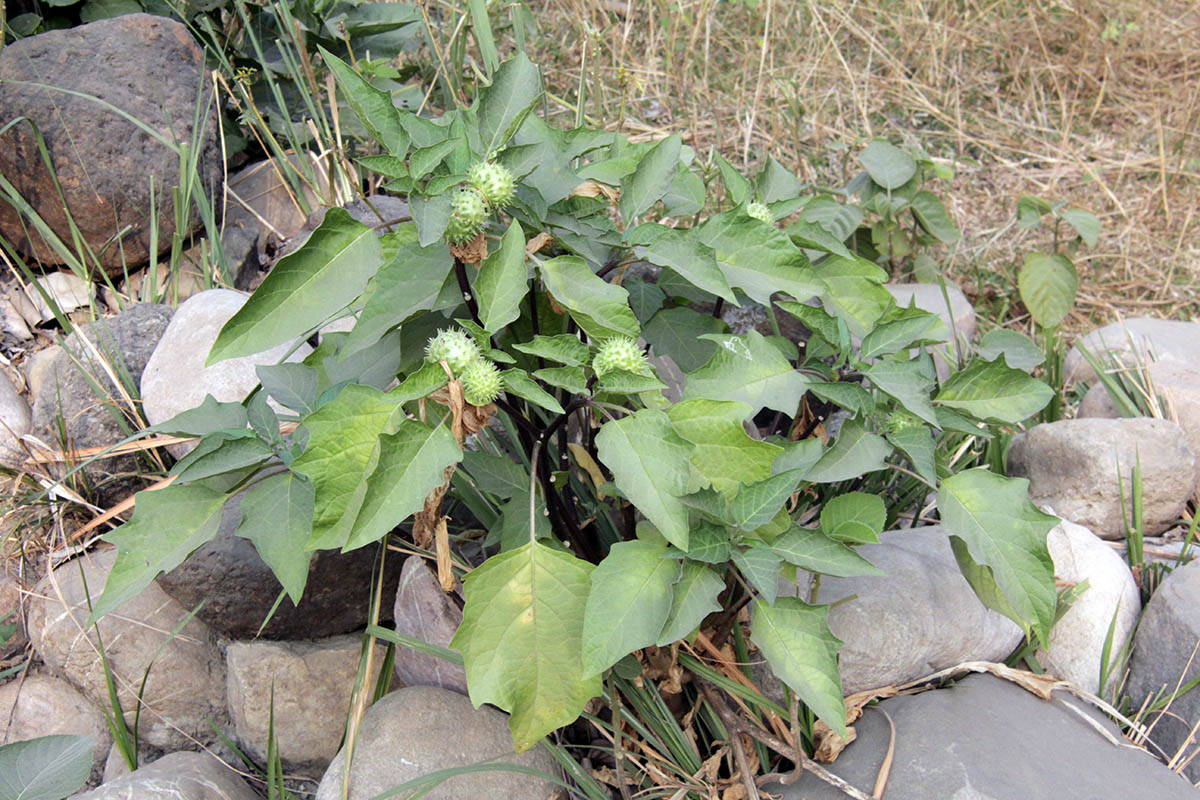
(460, 272)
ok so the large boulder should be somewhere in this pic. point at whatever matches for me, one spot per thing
(42, 705)
(78, 387)
(178, 776)
(239, 590)
(425, 612)
(184, 673)
(922, 616)
(1111, 600)
(1079, 468)
(988, 739)
(1164, 659)
(422, 729)
(1137, 340)
(306, 685)
(176, 378)
(108, 168)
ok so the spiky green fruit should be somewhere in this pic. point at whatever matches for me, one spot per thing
(455, 347)
(468, 209)
(760, 211)
(619, 352)
(480, 382)
(494, 182)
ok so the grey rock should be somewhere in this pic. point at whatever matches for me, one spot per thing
(123, 343)
(922, 617)
(1178, 388)
(240, 246)
(311, 684)
(178, 776)
(176, 378)
(15, 418)
(1163, 651)
(987, 739)
(186, 684)
(959, 315)
(421, 729)
(1077, 639)
(1073, 466)
(115, 765)
(147, 66)
(37, 366)
(425, 612)
(238, 589)
(42, 705)
(1097, 404)
(1152, 339)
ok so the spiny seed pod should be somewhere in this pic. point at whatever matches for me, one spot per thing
(760, 211)
(494, 182)
(455, 347)
(480, 382)
(467, 212)
(620, 352)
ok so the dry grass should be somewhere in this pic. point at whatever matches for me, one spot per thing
(1035, 94)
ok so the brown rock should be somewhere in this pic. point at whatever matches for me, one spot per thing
(41, 705)
(147, 67)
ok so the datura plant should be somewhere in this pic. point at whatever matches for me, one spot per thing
(540, 367)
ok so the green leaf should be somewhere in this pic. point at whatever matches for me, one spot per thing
(850, 396)
(221, 452)
(521, 639)
(854, 509)
(795, 639)
(994, 391)
(708, 543)
(1005, 533)
(600, 308)
(854, 292)
(927, 207)
(892, 337)
(1085, 223)
(1047, 284)
(292, 385)
(756, 504)
(304, 288)
(815, 551)
(840, 219)
(724, 453)
(888, 165)
(564, 348)
(906, 382)
(737, 187)
(208, 417)
(431, 215)
(682, 251)
(628, 604)
(1019, 350)
(426, 159)
(758, 258)
(695, 597)
(650, 465)
(422, 383)
(1030, 209)
(503, 281)
(277, 518)
(496, 475)
(815, 237)
(167, 525)
(570, 378)
(650, 181)
(411, 463)
(856, 452)
(373, 107)
(45, 768)
(676, 332)
(645, 299)
(801, 455)
(776, 182)
(514, 523)
(343, 437)
(749, 369)
(505, 105)
(517, 382)
(918, 444)
(761, 566)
